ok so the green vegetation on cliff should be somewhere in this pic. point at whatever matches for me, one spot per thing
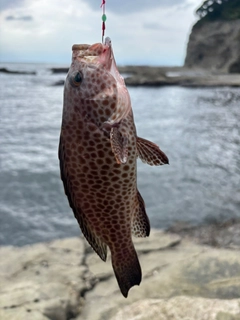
(212, 10)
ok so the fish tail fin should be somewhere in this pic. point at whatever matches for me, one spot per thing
(126, 267)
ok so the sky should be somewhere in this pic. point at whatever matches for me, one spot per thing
(152, 32)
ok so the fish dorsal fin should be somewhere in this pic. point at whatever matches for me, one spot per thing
(96, 243)
(140, 221)
(119, 144)
(150, 153)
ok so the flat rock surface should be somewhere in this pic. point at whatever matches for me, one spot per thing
(65, 279)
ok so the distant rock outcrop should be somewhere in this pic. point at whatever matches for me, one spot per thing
(215, 45)
(4, 70)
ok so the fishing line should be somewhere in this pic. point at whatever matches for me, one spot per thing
(104, 18)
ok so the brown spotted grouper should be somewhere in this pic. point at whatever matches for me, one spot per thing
(98, 151)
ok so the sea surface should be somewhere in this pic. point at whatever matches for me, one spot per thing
(199, 130)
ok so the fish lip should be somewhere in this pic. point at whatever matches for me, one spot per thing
(80, 47)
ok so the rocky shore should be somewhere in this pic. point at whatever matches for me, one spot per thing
(64, 279)
(164, 76)
(159, 76)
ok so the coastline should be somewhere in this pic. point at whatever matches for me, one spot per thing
(64, 279)
(164, 76)
(157, 76)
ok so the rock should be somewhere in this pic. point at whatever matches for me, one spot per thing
(224, 234)
(215, 45)
(65, 279)
(4, 70)
(59, 70)
(180, 308)
(59, 83)
(174, 269)
(46, 278)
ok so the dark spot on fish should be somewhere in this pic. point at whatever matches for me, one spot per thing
(115, 178)
(105, 102)
(101, 154)
(105, 167)
(112, 106)
(108, 112)
(97, 135)
(90, 149)
(85, 168)
(108, 160)
(93, 155)
(100, 161)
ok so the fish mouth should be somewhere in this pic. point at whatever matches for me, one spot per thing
(99, 53)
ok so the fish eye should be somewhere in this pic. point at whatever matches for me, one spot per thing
(76, 79)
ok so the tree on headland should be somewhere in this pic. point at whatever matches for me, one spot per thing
(212, 10)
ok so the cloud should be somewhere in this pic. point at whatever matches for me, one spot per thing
(130, 6)
(23, 18)
(8, 4)
(44, 31)
(153, 26)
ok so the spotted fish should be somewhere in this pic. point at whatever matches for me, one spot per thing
(98, 151)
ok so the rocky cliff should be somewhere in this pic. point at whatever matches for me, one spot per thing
(215, 45)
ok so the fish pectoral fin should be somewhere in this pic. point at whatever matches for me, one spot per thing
(119, 145)
(96, 243)
(150, 153)
(140, 221)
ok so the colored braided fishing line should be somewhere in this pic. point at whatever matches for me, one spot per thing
(104, 18)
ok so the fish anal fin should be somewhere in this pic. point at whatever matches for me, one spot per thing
(150, 153)
(140, 221)
(126, 267)
(95, 242)
(119, 145)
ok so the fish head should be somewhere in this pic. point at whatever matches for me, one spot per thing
(94, 77)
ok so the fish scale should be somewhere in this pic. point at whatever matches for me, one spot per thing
(98, 150)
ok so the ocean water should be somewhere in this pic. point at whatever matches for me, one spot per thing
(199, 130)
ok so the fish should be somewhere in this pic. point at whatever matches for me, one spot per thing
(98, 151)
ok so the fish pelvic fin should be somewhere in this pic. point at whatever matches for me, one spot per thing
(99, 246)
(150, 153)
(119, 144)
(126, 267)
(140, 221)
